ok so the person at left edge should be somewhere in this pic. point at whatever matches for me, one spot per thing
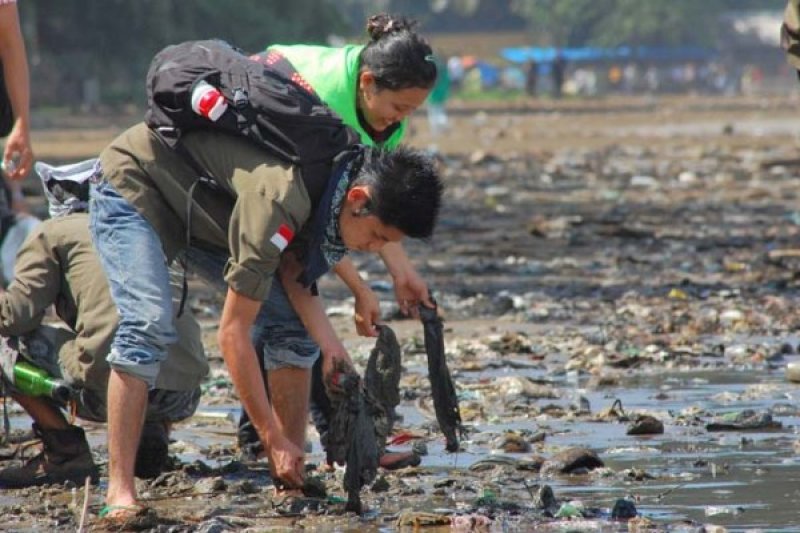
(17, 153)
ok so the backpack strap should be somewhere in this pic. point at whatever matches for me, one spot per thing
(204, 177)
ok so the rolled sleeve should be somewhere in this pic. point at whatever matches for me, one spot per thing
(246, 281)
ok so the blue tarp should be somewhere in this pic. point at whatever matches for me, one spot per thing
(642, 53)
(490, 75)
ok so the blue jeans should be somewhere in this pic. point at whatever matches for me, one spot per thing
(133, 259)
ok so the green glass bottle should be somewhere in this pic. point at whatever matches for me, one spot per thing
(34, 381)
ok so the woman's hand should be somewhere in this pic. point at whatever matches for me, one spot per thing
(367, 313)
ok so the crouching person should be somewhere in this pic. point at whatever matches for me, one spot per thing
(271, 229)
(57, 265)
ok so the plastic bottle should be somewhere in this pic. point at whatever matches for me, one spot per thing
(10, 165)
(34, 381)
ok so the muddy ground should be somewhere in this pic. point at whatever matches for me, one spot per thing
(596, 262)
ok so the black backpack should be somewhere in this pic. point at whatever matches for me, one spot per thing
(263, 105)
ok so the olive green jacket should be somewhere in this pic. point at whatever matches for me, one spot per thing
(57, 265)
(262, 197)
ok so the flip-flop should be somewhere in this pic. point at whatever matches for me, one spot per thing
(131, 511)
(135, 517)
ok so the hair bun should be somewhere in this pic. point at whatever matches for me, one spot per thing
(384, 24)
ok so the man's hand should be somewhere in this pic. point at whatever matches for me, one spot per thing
(335, 360)
(367, 313)
(233, 336)
(286, 461)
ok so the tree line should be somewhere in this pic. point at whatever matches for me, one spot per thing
(97, 51)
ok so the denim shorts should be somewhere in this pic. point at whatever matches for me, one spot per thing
(133, 259)
(278, 328)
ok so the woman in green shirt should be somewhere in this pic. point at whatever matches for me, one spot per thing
(373, 88)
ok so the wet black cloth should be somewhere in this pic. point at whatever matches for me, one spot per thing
(382, 376)
(361, 415)
(445, 401)
(352, 438)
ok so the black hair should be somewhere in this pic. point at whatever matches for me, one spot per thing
(396, 55)
(406, 190)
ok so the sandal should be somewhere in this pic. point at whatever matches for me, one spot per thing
(108, 509)
(135, 517)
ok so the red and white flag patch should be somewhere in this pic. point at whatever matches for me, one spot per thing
(282, 237)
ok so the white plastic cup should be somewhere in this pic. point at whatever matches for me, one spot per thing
(208, 101)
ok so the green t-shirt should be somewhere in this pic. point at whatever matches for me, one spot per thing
(332, 72)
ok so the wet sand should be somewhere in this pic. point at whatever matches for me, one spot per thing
(589, 251)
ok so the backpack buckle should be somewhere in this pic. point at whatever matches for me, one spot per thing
(240, 98)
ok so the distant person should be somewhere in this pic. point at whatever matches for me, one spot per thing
(558, 71)
(455, 68)
(436, 104)
(630, 75)
(374, 88)
(14, 103)
(790, 34)
(652, 79)
(614, 77)
(531, 77)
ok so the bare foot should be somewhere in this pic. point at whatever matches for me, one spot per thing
(286, 492)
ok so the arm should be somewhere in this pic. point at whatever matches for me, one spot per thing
(238, 314)
(312, 313)
(36, 284)
(409, 287)
(367, 308)
(15, 69)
